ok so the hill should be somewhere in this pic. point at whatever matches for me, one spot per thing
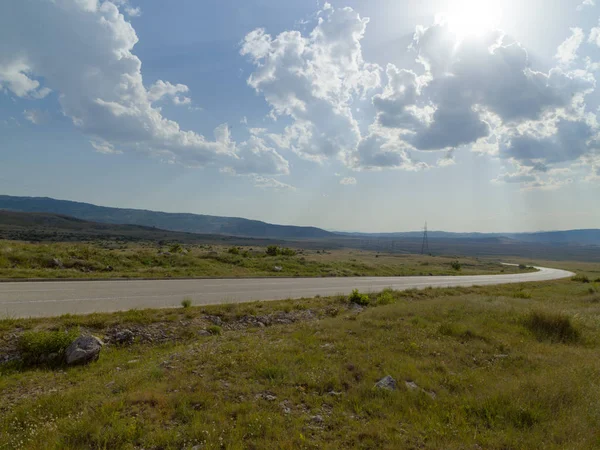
(190, 223)
(48, 227)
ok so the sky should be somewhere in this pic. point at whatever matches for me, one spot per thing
(472, 115)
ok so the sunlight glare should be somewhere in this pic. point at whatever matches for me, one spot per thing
(473, 18)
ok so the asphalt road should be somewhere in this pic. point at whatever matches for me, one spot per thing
(35, 299)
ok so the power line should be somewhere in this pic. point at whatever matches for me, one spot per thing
(425, 244)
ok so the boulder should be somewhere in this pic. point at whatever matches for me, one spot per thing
(277, 268)
(83, 350)
(386, 382)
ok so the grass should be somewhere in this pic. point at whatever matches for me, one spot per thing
(494, 370)
(45, 346)
(186, 302)
(138, 260)
(554, 327)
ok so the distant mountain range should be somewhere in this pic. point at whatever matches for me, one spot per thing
(190, 223)
(233, 226)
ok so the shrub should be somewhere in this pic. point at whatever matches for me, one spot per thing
(522, 294)
(357, 297)
(176, 248)
(522, 266)
(186, 302)
(40, 346)
(234, 251)
(287, 252)
(580, 278)
(552, 327)
(272, 250)
(214, 329)
(386, 297)
(456, 265)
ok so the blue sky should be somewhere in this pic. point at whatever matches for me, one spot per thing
(348, 115)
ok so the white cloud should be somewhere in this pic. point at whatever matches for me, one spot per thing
(105, 147)
(586, 3)
(84, 50)
(348, 181)
(133, 12)
(14, 77)
(36, 116)
(313, 80)
(567, 51)
(271, 183)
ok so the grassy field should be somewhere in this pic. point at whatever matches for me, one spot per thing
(127, 260)
(499, 367)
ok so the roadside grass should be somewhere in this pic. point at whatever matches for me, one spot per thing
(138, 260)
(494, 370)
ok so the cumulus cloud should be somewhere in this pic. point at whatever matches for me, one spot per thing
(313, 80)
(348, 181)
(567, 51)
(83, 50)
(15, 77)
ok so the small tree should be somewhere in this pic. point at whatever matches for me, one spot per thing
(455, 265)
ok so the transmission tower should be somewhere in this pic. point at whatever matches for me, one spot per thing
(425, 245)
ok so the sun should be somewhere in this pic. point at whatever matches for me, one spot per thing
(473, 18)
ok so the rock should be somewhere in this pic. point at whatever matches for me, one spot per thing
(204, 333)
(386, 382)
(83, 350)
(109, 268)
(356, 308)
(58, 263)
(317, 419)
(216, 320)
(411, 385)
(123, 337)
(277, 269)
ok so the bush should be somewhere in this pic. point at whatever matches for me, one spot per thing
(40, 346)
(581, 278)
(177, 248)
(234, 251)
(186, 302)
(214, 329)
(272, 250)
(522, 266)
(357, 297)
(552, 327)
(386, 297)
(456, 265)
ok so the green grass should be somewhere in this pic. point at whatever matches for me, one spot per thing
(112, 260)
(495, 370)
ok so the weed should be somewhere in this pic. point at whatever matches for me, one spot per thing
(521, 294)
(40, 346)
(361, 299)
(386, 297)
(553, 327)
(214, 329)
(186, 302)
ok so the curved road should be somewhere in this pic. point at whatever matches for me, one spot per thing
(31, 299)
